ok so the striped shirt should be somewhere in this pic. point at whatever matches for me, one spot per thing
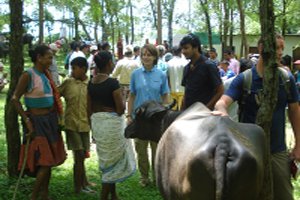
(39, 92)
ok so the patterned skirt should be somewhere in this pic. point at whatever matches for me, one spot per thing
(46, 148)
(115, 152)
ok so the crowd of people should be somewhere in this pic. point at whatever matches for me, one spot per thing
(102, 92)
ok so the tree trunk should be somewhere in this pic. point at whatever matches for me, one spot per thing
(112, 34)
(96, 32)
(41, 21)
(103, 24)
(159, 22)
(284, 23)
(16, 68)
(169, 8)
(270, 87)
(218, 6)
(204, 5)
(132, 22)
(84, 29)
(231, 29)
(76, 21)
(226, 23)
(244, 47)
(153, 13)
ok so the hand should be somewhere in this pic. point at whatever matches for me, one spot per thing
(295, 154)
(129, 120)
(29, 129)
(218, 113)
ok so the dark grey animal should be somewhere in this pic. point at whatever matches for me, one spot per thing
(201, 156)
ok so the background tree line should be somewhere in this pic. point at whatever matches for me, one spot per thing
(126, 18)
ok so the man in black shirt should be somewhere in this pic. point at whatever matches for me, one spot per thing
(201, 78)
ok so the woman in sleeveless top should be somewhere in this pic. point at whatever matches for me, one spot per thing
(106, 108)
(46, 147)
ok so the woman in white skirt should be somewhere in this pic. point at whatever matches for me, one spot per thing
(106, 109)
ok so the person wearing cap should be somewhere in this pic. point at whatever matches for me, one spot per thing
(53, 67)
(213, 56)
(3, 75)
(123, 70)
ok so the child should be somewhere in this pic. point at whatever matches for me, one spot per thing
(74, 90)
(3, 75)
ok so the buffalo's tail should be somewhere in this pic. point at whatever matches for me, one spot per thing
(220, 169)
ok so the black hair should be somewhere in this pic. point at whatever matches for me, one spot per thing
(213, 50)
(136, 48)
(104, 45)
(82, 46)
(41, 49)
(191, 39)
(228, 51)
(176, 50)
(286, 60)
(102, 59)
(80, 62)
(245, 64)
(74, 45)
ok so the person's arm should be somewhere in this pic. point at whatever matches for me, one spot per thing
(89, 107)
(117, 71)
(165, 99)
(130, 104)
(18, 93)
(222, 104)
(294, 117)
(216, 97)
(117, 95)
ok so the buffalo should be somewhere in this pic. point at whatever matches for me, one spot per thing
(202, 156)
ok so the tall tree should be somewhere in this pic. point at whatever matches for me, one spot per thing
(131, 21)
(226, 23)
(16, 68)
(270, 86)
(154, 13)
(168, 7)
(244, 44)
(41, 21)
(159, 22)
(205, 8)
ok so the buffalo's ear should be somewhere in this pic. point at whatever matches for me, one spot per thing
(158, 115)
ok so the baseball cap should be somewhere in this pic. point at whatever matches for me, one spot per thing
(93, 48)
